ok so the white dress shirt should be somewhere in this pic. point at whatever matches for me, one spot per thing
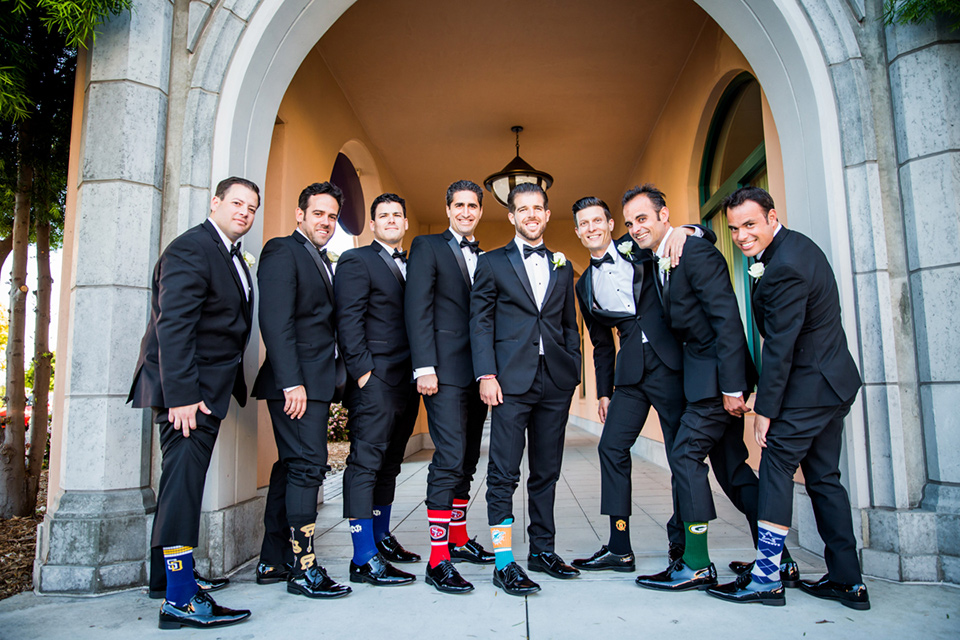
(538, 273)
(468, 255)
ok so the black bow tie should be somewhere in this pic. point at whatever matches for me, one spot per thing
(528, 250)
(598, 262)
(399, 254)
(235, 251)
(473, 245)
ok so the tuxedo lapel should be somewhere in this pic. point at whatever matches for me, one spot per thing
(513, 254)
(458, 254)
(314, 254)
(552, 281)
(665, 294)
(246, 296)
(390, 262)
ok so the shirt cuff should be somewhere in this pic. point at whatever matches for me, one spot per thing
(286, 389)
(738, 394)
(424, 371)
(698, 232)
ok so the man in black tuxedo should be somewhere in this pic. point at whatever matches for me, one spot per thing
(381, 397)
(808, 381)
(437, 307)
(298, 380)
(618, 292)
(191, 362)
(526, 354)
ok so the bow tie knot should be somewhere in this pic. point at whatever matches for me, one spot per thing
(473, 245)
(528, 250)
(598, 262)
(402, 255)
(235, 251)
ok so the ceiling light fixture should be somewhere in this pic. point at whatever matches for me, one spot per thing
(516, 172)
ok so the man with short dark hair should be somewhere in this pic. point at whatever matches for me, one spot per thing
(526, 354)
(191, 362)
(299, 379)
(381, 397)
(437, 307)
(808, 380)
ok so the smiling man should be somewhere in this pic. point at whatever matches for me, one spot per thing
(526, 354)
(299, 378)
(191, 362)
(381, 397)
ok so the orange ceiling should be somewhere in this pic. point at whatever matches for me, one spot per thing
(437, 85)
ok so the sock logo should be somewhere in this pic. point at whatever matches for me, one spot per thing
(698, 529)
(767, 537)
(174, 565)
(376, 513)
(498, 537)
(437, 533)
(458, 514)
(621, 525)
(356, 528)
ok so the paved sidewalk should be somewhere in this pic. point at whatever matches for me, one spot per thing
(600, 605)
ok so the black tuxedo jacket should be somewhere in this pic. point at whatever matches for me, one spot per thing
(371, 332)
(805, 360)
(437, 308)
(297, 320)
(702, 311)
(199, 326)
(506, 326)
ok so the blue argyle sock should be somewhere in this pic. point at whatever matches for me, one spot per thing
(502, 545)
(769, 547)
(181, 585)
(364, 547)
(381, 522)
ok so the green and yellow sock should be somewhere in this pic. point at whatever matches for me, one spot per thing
(695, 552)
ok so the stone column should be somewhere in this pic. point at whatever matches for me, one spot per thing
(95, 536)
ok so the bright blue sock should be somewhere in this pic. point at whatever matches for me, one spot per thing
(381, 522)
(364, 547)
(502, 546)
(181, 585)
(769, 547)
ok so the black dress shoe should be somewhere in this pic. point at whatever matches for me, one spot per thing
(271, 574)
(393, 551)
(675, 552)
(315, 583)
(746, 590)
(514, 581)
(605, 559)
(849, 595)
(205, 584)
(201, 612)
(472, 552)
(680, 577)
(379, 573)
(551, 564)
(789, 572)
(447, 579)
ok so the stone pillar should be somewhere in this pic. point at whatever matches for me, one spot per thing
(95, 536)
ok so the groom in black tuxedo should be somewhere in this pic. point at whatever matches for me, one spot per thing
(191, 362)
(526, 354)
(808, 381)
(299, 379)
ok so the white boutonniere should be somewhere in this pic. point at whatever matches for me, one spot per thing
(249, 259)
(559, 260)
(626, 248)
(756, 270)
(333, 256)
(664, 264)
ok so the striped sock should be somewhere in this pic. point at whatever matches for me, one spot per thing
(502, 549)
(181, 585)
(439, 520)
(769, 547)
(458, 523)
(381, 521)
(364, 548)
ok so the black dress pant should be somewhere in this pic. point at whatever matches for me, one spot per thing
(707, 429)
(455, 416)
(541, 415)
(662, 388)
(296, 476)
(381, 420)
(811, 437)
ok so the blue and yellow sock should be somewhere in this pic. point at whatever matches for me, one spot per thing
(381, 522)
(502, 546)
(181, 585)
(769, 547)
(364, 547)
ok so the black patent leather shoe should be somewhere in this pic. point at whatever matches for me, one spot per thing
(205, 584)
(447, 579)
(201, 612)
(675, 552)
(551, 564)
(606, 560)
(272, 574)
(853, 596)
(471, 552)
(315, 583)
(514, 581)
(789, 572)
(680, 577)
(746, 590)
(379, 573)
(393, 551)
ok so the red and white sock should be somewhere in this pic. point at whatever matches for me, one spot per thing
(439, 535)
(458, 523)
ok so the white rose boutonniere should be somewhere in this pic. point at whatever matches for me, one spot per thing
(333, 256)
(626, 248)
(664, 264)
(756, 270)
(559, 260)
(249, 259)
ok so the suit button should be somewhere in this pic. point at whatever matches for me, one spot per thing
(535, 343)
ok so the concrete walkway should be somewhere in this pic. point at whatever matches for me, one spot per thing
(607, 605)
